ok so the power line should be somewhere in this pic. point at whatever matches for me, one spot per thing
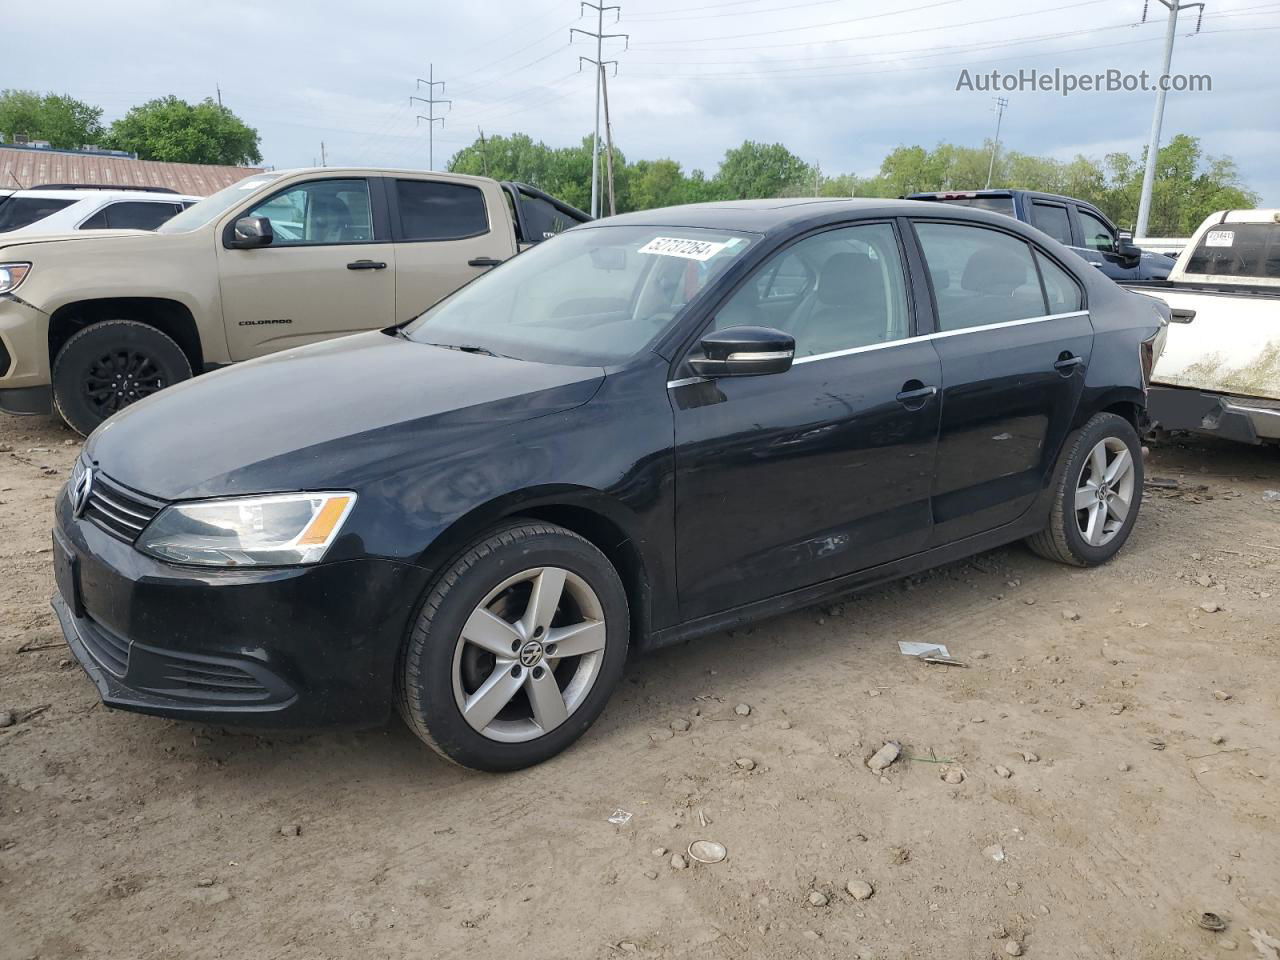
(430, 100)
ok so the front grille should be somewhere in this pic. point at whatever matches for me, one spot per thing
(110, 651)
(121, 512)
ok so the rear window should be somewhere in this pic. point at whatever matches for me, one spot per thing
(21, 212)
(1238, 250)
(435, 210)
(994, 204)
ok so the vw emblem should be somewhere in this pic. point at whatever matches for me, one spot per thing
(531, 654)
(80, 495)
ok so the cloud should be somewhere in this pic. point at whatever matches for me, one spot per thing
(839, 84)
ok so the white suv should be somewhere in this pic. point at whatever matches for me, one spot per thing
(66, 209)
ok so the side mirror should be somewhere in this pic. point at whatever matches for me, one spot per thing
(744, 352)
(1126, 248)
(250, 232)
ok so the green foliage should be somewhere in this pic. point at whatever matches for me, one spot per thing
(64, 121)
(175, 131)
(762, 170)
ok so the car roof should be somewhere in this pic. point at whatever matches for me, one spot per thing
(782, 215)
(122, 194)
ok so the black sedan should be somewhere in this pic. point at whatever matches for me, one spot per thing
(648, 428)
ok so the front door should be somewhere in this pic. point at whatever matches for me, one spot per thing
(791, 479)
(326, 273)
(1014, 352)
(1098, 243)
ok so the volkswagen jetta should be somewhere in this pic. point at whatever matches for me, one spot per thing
(656, 426)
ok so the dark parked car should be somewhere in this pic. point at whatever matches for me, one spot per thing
(1073, 223)
(653, 427)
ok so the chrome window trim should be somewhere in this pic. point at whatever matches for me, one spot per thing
(896, 343)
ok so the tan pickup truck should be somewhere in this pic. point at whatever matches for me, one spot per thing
(89, 323)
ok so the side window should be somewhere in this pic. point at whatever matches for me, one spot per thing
(1097, 235)
(435, 210)
(1052, 219)
(319, 212)
(980, 276)
(136, 214)
(21, 212)
(97, 222)
(1061, 289)
(832, 291)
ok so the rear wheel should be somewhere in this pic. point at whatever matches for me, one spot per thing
(516, 650)
(109, 365)
(1097, 495)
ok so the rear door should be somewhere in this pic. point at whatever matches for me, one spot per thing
(1014, 340)
(328, 271)
(447, 232)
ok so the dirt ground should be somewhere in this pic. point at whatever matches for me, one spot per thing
(1115, 729)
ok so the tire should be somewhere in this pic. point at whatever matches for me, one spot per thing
(109, 365)
(492, 590)
(1067, 537)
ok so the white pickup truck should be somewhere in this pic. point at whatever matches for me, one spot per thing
(1220, 371)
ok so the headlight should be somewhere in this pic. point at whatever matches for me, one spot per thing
(277, 530)
(12, 275)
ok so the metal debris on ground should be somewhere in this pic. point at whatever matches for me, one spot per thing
(620, 816)
(1211, 921)
(707, 851)
(928, 652)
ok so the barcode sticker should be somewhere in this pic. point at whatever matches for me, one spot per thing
(701, 250)
(1219, 238)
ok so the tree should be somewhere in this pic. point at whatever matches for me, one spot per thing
(761, 170)
(175, 131)
(62, 120)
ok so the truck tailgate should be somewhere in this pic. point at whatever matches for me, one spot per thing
(1231, 346)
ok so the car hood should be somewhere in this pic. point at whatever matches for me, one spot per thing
(334, 414)
(21, 236)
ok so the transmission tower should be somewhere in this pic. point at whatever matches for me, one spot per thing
(430, 100)
(600, 37)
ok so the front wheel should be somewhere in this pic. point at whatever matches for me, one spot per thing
(516, 649)
(111, 364)
(1097, 494)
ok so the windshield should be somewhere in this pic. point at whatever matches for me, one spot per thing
(1238, 250)
(590, 296)
(214, 205)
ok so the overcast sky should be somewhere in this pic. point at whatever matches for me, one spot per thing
(840, 82)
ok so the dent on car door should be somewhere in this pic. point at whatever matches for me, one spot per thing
(329, 269)
(793, 478)
(447, 233)
(1014, 342)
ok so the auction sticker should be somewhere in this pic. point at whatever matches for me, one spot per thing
(701, 250)
(1219, 238)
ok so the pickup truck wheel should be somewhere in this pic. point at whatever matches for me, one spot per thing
(1097, 494)
(516, 649)
(109, 365)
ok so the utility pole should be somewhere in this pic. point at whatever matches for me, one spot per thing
(431, 118)
(323, 162)
(608, 139)
(219, 89)
(599, 36)
(1001, 103)
(484, 152)
(1153, 145)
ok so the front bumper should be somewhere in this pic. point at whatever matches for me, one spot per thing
(24, 350)
(295, 647)
(1244, 419)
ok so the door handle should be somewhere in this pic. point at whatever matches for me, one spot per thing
(366, 265)
(915, 393)
(483, 262)
(1066, 363)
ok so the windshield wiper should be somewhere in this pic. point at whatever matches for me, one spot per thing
(466, 348)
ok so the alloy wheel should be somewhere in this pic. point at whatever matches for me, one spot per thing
(119, 378)
(529, 654)
(1104, 491)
